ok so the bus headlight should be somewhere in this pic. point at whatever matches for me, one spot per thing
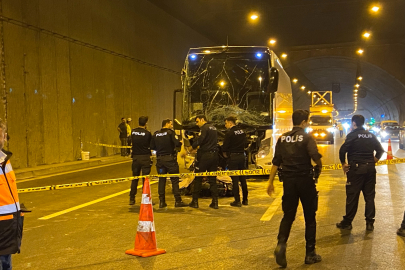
(331, 129)
(316, 134)
(323, 134)
(309, 129)
(384, 134)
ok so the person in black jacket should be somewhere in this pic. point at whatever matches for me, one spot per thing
(361, 174)
(165, 143)
(294, 151)
(207, 160)
(234, 149)
(123, 130)
(141, 161)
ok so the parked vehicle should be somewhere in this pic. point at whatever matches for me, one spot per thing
(389, 130)
(402, 136)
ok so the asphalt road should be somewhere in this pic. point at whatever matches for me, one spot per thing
(91, 227)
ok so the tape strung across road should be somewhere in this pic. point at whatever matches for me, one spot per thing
(329, 167)
(109, 145)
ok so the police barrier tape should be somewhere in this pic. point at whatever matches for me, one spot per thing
(329, 167)
(109, 145)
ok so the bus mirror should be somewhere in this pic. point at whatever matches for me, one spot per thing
(273, 82)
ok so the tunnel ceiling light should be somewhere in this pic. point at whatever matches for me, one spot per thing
(295, 80)
(359, 78)
(360, 51)
(375, 9)
(272, 41)
(309, 92)
(366, 34)
(303, 87)
(254, 16)
(284, 55)
(260, 78)
(355, 95)
(355, 90)
(222, 83)
(357, 85)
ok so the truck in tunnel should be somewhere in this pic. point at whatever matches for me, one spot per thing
(247, 82)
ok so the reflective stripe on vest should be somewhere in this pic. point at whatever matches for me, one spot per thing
(6, 209)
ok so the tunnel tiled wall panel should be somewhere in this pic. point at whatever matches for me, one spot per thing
(59, 90)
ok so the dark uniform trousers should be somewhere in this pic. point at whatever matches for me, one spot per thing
(140, 163)
(124, 142)
(237, 161)
(360, 178)
(299, 188)
(207, 162)
(403, 222)
(168, 164)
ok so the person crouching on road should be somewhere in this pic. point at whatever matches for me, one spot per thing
(165, 143)
(234, 149)
(361, 174)
(207, 160)
(11, 218)
(294, 151)
(141, 161)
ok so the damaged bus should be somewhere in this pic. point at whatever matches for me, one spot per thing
(247, 82)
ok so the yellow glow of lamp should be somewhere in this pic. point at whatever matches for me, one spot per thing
(366, 35)
(360, 78)
(284, 55)
(222, 83)
(303, 87)
(324, 111)
(207, 51)
(281, 111)
(360, 51)
(295, 80)
(316, 134)
(323, 134)
(375, 8)
(272, 41)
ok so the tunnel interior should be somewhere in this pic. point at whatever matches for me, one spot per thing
(381, 95)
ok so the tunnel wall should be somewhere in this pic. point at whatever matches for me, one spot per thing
(73, 68)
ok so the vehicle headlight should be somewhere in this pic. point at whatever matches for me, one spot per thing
(331, 129)
(264, 148)
(309, 129)
(316, 134)
(376, 129)
(384, 134)
(323, 134)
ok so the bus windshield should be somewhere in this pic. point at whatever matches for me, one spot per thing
(320, 120)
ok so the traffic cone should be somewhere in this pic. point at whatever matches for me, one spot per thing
(145, 240)
(389, 152)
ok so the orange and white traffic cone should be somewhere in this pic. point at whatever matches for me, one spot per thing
(145, 240)
(389, 152)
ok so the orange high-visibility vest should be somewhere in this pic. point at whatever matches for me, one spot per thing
(11, 219)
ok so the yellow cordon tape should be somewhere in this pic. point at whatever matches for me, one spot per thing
(329, 167)
(109, 145)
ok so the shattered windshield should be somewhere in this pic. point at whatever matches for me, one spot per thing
(219, 85)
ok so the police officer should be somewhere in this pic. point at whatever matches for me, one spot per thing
(294, 151)
(141, 161)
(234, 149)
(401, 230)
(361, 174)
(207, 160)
(165, 143)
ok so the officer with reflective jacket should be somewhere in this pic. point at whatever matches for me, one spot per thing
(361, 174)
(141, 162)
(165, 143)
(11, 218)
(234, 149)
(207, 159)
(294, 151)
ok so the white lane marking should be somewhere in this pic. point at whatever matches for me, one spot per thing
(62, 173)
(88, 203)
(268, 215)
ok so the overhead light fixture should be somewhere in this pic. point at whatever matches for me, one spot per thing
(360, 51)
(309, 92)
(222, 83)
(207, 51)
(359, 78)
(260, 79)
(272, 41)
(375, 8)
(366, 34)
(284, 55)
(295, 80)
(357, 85)
(303, 87)
(355, 90)
(254, 17)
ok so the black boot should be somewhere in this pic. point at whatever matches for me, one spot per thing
(279, 252)
(369, 226)
(344, 225)
(131, 201)
(236, 204)
(214, 203)
(194, 203)
(312, 257)
(245, 201)
(401, 232)
(162, 203)
(179, 203)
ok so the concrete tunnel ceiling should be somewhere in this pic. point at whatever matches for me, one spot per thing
(296, 23)
(379, 91)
